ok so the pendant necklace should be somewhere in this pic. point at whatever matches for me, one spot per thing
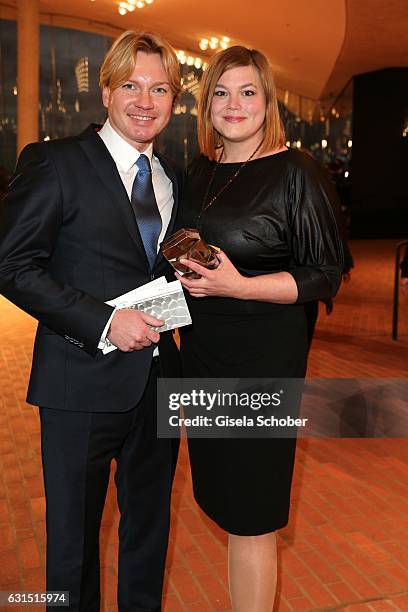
(206, 205)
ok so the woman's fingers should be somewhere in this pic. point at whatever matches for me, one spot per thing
(194, 266)
(190, 283)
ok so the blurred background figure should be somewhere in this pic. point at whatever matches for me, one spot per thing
(404, 273)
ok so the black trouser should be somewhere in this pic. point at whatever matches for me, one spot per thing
(77, 450)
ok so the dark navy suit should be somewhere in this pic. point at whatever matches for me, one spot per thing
(69, 242)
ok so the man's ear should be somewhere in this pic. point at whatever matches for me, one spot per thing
(105, 96)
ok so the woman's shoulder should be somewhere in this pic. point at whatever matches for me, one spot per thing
(283, 163)
(297, 159)
(301, 165)
(198, 165)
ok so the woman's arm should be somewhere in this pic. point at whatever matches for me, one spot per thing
(226, 281)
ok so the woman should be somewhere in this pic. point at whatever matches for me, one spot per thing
(267, 208)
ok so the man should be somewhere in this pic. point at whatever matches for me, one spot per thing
(80, 226)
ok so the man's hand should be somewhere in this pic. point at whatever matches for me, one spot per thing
(404, 285)
(130, 330)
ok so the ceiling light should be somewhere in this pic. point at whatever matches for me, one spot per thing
(128, 6)
(224, 42)
(197, 62)
(214, 43)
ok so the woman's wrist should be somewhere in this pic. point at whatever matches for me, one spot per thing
(279, 287)
(245, 288)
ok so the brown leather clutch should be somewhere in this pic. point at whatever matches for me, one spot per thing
(188, 244)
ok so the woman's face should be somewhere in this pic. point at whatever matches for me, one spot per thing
(238, 106)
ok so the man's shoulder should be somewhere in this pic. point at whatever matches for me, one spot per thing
(64, 144)
(56, 152)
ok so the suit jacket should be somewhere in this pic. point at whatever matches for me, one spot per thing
(69, 242)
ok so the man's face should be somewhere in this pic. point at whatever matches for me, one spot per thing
(141, 107)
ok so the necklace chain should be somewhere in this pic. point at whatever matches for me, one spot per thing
(206, 205)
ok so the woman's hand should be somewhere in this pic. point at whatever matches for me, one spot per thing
(224, 281)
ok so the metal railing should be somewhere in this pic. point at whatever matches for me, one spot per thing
(400, 246)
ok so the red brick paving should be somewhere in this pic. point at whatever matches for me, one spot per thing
(345, 546)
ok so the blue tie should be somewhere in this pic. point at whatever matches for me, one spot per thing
(145, 208)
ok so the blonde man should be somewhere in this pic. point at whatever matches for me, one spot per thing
(81, 224)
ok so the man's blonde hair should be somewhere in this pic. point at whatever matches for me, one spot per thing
(120, 60)
(234, 57)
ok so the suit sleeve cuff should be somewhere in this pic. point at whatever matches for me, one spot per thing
(102, 339)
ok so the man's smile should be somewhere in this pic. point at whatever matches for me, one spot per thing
(140, 117)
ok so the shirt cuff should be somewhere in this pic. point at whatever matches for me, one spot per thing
(102, 339)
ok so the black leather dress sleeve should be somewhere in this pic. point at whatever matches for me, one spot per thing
(316, 243)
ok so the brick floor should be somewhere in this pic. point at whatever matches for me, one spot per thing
(345, 546)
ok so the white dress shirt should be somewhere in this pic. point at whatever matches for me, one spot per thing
(125, 157)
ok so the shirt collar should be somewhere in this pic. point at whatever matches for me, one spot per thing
(123, 153)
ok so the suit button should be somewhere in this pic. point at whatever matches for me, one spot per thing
(152, 277)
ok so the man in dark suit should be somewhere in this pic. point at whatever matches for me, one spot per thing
(81, 225)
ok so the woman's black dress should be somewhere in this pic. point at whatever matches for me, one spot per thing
(275, 216)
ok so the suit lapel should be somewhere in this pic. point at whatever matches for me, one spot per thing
(105, 167)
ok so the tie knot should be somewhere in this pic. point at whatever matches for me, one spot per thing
(143, 163)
